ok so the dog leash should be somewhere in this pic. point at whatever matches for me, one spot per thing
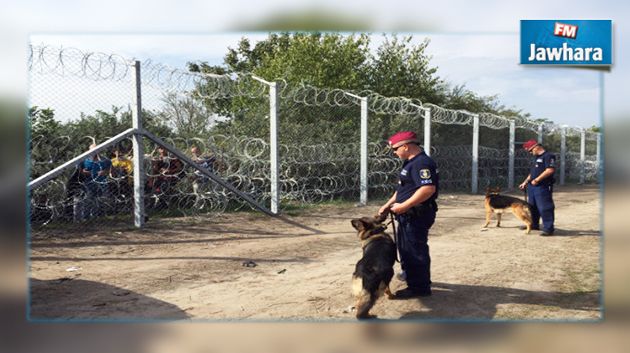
(391, 216)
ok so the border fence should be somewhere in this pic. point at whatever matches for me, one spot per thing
(180, 143)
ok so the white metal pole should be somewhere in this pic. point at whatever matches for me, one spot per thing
(364, 152)
(598, 154)
(511, 157)
(273, 147)
(475, 154)
(582, 156)
(563, 154)
(427, 132)
(138, 151)
(540, 133)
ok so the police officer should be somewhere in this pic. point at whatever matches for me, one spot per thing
(415, 208)
(539, 184)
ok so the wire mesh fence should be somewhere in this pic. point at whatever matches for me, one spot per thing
(220, 124)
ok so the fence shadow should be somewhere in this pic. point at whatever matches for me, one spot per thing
(72, 299)
(576, 232)
(299, 259)
(472, 302)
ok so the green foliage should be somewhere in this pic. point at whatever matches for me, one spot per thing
(42, 121)
(56, 142)
(397, 68)
(403, 69)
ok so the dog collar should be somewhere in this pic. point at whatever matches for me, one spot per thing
(378, 230)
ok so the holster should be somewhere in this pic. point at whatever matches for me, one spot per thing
(423, 208)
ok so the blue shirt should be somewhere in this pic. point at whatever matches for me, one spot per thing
(417, 172)
(539, 164)
(95, 166)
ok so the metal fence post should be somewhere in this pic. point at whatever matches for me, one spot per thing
(475, 154)
(540, 133)
(563, 154)
(598, 155)
(138, 151)
(511, 156)
(582, 155)
(427, 132)
(364, 151)
(273, 147)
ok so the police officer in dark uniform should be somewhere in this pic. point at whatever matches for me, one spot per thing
(539, 184)
(415, 208)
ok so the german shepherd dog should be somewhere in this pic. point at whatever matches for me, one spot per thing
(375, 270)
(496, 203)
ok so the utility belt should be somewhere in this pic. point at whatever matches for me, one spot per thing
(422, 209)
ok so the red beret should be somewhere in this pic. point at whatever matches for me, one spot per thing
(402, 137)
(529, 145)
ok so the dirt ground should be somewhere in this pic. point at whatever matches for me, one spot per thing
(178, 269)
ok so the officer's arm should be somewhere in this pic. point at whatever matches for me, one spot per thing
(544, 175)
(422, 194)
(388, 204)
(523, 185)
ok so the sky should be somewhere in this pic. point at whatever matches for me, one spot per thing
(472, 45)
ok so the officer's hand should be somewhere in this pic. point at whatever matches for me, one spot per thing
(522, 185)
(398, 208)
(534, 182)
(383, 209)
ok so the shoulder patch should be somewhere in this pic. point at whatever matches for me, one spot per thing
(425, 173)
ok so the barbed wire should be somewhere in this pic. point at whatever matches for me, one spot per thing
(309, 172)
(100, 66)
(201, 85)
(73, 62)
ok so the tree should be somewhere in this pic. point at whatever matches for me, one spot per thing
(43, 121)
(188, 117)
(401, 68)
(321, 60)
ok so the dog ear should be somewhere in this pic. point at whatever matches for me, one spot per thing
(358, 224)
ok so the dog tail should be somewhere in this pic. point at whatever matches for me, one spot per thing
(528, 213)
(523, 211)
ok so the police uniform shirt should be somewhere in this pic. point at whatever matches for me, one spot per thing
(542, 162)
(416, 173)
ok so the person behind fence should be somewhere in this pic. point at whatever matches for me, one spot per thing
(539, 185)
(198, 178)
(96, 169)
(76, 193)
(122, 172)
(165, 173)
(415, 207)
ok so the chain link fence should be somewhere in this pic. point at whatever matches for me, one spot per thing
(68, 85)
(209, 141)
